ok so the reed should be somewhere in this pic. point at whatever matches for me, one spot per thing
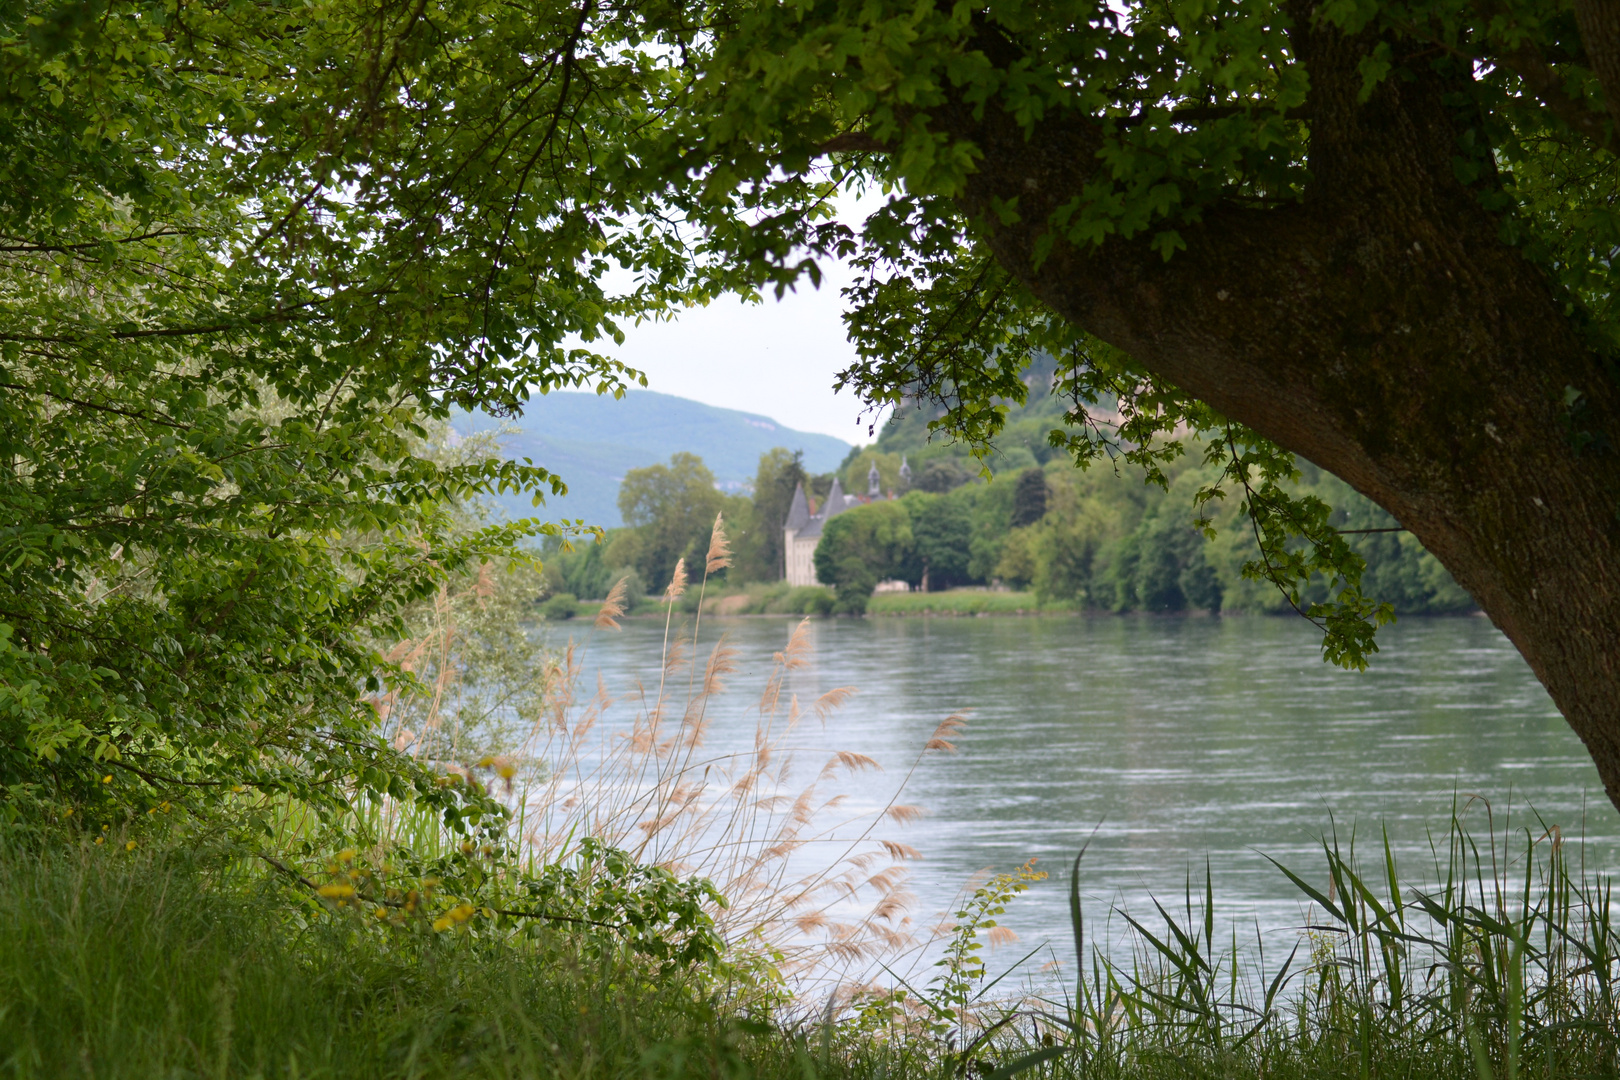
(1498, 963)
(816, 888)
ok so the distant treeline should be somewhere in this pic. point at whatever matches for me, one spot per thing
(1098, 538)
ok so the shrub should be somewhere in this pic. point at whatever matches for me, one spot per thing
(809, 600)
(560, 607)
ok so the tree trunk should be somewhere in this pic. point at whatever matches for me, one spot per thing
(1382, 330)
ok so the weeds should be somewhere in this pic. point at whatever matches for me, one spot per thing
(1503, 964)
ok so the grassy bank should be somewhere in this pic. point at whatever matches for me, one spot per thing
(117, 964)
(1503, 964)
(960, 602)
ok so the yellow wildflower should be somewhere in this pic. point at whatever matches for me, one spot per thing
(455, 916)
(130, 846)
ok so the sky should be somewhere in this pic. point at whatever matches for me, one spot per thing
(776, 358)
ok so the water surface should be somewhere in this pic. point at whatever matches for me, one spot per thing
(1180, 741)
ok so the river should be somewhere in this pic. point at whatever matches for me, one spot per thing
(1179, 742)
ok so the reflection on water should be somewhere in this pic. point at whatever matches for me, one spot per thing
(1186, 738)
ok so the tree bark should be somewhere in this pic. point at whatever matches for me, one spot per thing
(1381, 329)
(1599, 23)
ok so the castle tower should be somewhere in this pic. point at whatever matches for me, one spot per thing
(874, 483)
(905, 474)
(799, 511)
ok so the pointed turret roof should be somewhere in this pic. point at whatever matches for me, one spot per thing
(835, 500)
(799, 511)
(874, 481)
(835, 504)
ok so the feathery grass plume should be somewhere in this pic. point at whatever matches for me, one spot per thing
(940, 739)
(607, 617)
(809, 885)
(719, 548)
(677, 582)
(832, 701)
(813, 891)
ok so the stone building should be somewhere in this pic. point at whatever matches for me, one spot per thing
(802, 532)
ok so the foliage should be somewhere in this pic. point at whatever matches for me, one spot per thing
(1106, 541)
(942, 540)
(1117, 549)
(252, 258)
(962, 602)
(1183, 111)
(1029, 499)
(559, 606)
(859, 548)
(647, 908)
(160, 964)
(856, 472)
(940, 475)
(962, 969)
(760, 556)
(771, 598)
(581, 567)
(671, 509)
(1504, 960)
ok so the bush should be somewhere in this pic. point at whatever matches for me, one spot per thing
(560, 607)
(809, 600)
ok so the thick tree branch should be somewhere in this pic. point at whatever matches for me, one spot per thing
(1599, 22)
(1381, 329)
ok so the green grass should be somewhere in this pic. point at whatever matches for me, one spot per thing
(1503, 964)
(127, 965)
(958, 602)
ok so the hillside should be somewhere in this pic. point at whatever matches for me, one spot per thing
(592, 441)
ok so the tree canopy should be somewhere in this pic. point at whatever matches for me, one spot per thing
(248, 247)
(671, 509)
(250, 256)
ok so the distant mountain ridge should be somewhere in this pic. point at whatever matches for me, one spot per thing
(592, 440)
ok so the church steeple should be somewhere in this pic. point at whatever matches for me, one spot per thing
(905, 474)
(874, 482)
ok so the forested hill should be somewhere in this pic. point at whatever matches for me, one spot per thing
(1101, 536)
(1021, 444)
(592, 441)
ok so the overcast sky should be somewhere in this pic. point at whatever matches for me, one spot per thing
(777, 358)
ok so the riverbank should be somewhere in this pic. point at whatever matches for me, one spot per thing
(966, 602)
(127, 965)
(779, 599)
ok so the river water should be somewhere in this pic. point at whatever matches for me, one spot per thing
(1179, 742)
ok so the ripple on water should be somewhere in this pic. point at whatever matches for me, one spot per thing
(1186, 738)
